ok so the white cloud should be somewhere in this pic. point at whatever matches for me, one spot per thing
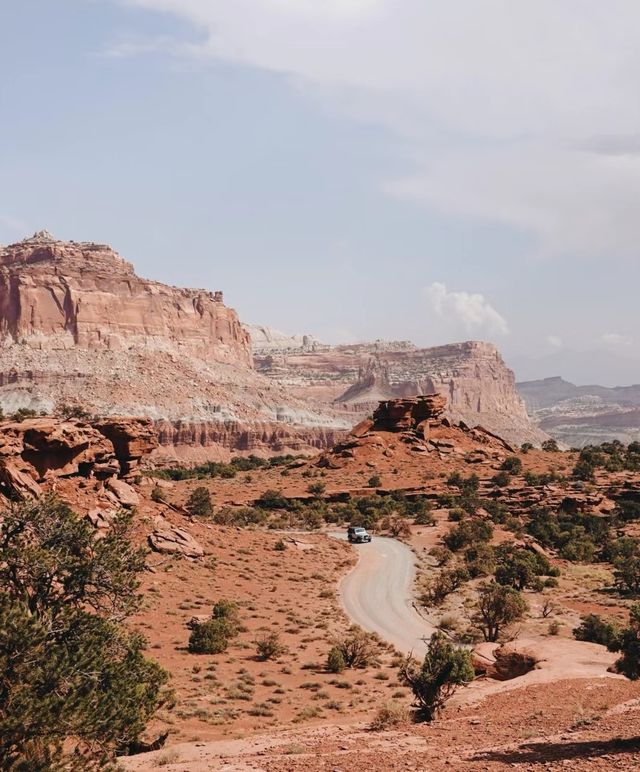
(555, 341)
(471, 311)
(615, 340)
(522, 113)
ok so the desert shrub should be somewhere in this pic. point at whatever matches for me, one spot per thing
(75, 687)
(480, 560)
(272, 499)
(359, 649)
(628, 644)
(374, 481)
(498, 607)
(424, 515)
(316, 489)
(240, 516)
(22, 414)
(441, 555)
(501, 480)
(512, 465)
(389, 716)
(210, 637)
(584, 470)
(444, 669)
(551, 446)
(157, 494)
(456, 514)
(269, 646)
(335, 660)
(526, 447)
(280, 546)
(73, 411)
(577, 536)
(497, 511)
(438, 587)
(554, 627)
(468, 532)
(595, 629)
(199, 502)
(399, 528)
(521, 568)
(627, 574)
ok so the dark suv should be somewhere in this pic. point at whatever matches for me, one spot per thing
(357, 535)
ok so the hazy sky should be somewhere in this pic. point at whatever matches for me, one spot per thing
(433, 170)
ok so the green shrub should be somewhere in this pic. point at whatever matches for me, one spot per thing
(595, 629)
(444, 669)
(628, 643)
(269, 646)
(512, 465)
(199, 502)
(359, 649)
(375, 481)
(468, 532)
(335, 660)
(210, 637)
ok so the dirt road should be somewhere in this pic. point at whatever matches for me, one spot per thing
(377, 595)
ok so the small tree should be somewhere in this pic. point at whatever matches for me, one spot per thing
(199, 502)
(75, 686)
(628, 643)
(551, 446)
(445, 668)
(498, 607)
(209, 637)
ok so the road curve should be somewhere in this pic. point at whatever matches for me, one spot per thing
(377, 595)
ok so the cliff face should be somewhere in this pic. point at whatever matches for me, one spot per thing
(58, 295)
(479, 387)
(79, 327)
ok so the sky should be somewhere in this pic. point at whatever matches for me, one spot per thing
(432, 170)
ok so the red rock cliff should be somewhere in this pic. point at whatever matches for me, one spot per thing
(58, 295)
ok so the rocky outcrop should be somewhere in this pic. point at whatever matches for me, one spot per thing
(132, 439)
(172, 540)
(403, 430)
(37, 450)
(479, 387)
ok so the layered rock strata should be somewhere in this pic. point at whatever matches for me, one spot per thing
(78, 327)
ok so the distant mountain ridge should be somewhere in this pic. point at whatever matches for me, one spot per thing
(583, 415)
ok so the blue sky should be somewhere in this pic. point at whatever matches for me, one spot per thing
(349, 168)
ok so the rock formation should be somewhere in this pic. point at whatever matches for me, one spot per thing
(38, 450)
(479, 387)
(59, 295)
(79, 328)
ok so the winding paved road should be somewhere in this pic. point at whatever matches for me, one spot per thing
(377, 594)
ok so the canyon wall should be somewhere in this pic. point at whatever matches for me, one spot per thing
(78, 327)
(479, 387)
